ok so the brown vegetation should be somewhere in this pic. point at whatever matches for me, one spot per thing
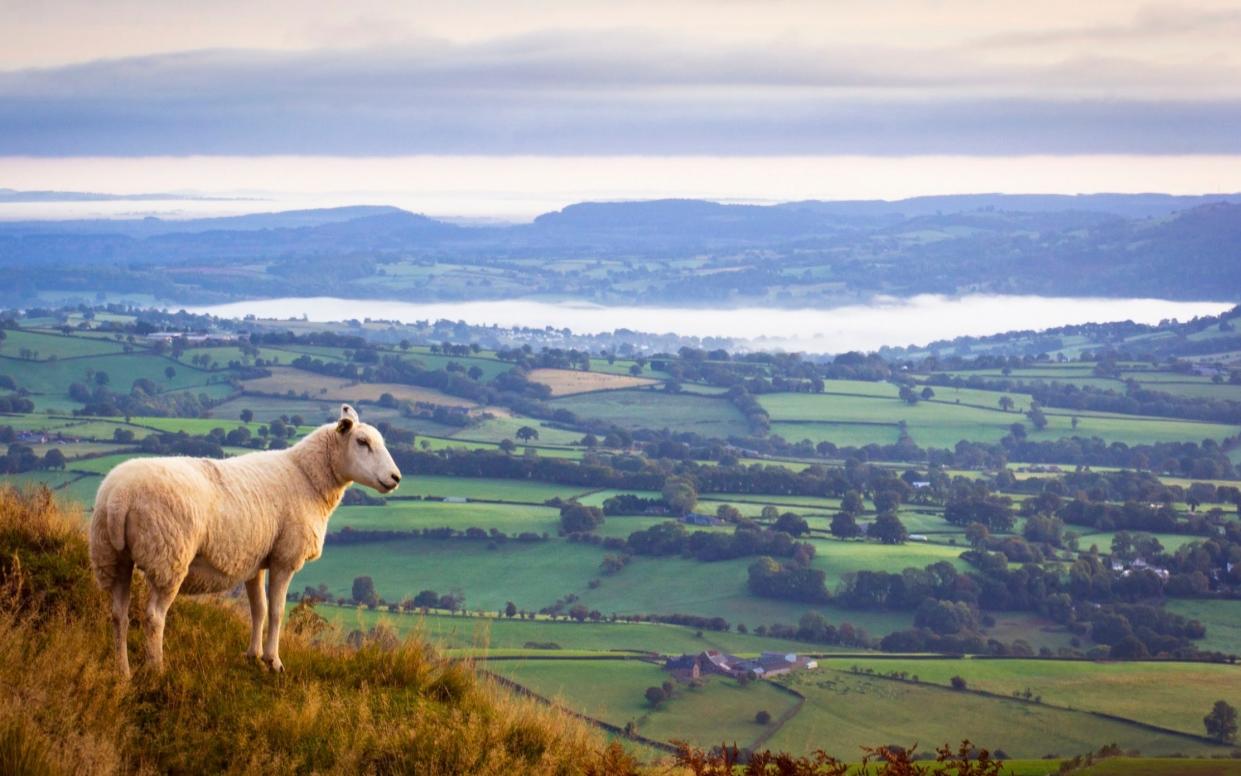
(317, 386)
(566, 382)
(385, 706)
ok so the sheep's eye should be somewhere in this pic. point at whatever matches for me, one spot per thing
(364, 443)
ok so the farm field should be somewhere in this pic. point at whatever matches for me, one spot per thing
(312, 385)
(655, 409)
(506, 635)
(415, 515)
(531, 575)
(44, 347)
(1222, 619)
(50, 380)
(568, 382)
(612, 690)
(1170, 695)
(527, 491)
(844, 711)
(854, 420)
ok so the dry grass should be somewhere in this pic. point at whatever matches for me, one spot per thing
(317, 386)
(566, 382)
(385, 707)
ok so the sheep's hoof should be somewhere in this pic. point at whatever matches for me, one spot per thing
(274, 664)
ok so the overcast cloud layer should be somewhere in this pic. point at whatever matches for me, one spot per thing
(1155, 80)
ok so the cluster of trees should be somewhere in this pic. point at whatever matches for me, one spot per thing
(20, 458)
(144, 399)
(747, 539)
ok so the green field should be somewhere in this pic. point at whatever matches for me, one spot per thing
(55, 346)
(1222, 619)
(656, 409)
(411, 515)
(719, 711)
(856, 420)
(844, 711)
(487, 489)
(503, 636)
(1169, 695)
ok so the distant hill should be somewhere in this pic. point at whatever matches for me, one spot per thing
(797, 253)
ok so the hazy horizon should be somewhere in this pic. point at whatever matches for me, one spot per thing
(519, 188)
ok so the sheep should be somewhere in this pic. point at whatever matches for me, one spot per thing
(198, 525)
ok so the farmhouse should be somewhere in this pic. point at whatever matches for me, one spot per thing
(711, 661)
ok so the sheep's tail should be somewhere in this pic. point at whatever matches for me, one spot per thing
(107, 534)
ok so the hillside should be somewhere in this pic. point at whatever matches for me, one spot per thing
(689, 252)
(389, 706)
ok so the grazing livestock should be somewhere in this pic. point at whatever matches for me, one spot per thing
(198, 525)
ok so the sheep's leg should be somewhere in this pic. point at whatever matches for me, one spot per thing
(121, 586)
(277, 588)
(258, 612)
(158, 602)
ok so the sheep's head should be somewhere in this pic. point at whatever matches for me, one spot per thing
(364, 458)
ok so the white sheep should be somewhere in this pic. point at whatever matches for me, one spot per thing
(198, 525)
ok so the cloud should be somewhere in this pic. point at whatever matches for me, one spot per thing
(624, 92)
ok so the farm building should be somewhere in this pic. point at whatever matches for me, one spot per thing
(712, 661)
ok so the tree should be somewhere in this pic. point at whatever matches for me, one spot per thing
(247, 415)
(364, 591)
(1221, 723)
(510, 610)
(852, 503)
(655, 696)
(506, 445)
(844, 526)
(1037, 417)
(792, 524)
(101, 378)
(888, 529)
(928, 393)
(977, 534)
(526, 433)
(680, 495)
(578, 518)
(958, 683)
(169, 372)
(1006, 403)
(54, 459)
(763, 717)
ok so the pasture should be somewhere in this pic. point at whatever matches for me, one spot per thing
(415, 515)
(844, 711)
(720, 710)
(1170, 695)
(525, 491)
(504, 636)
(647, 408)
(856, 420)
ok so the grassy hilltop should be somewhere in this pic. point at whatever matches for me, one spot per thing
(387, 707)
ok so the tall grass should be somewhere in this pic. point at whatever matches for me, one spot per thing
(384, 706)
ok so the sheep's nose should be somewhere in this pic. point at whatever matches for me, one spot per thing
(396, 477)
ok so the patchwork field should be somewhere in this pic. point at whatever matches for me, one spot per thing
(1170, 695)
(704, 415)
(567, 382)
(612, 690)
(844, 711)
(299, 384)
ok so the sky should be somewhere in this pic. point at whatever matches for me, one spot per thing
(505, 108)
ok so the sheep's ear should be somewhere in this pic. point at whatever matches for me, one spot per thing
(348, 412)
(343, 425)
